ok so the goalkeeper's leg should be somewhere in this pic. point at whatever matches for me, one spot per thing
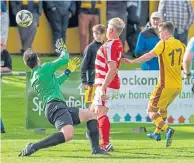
(62, 120)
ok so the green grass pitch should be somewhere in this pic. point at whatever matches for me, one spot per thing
(130, 147)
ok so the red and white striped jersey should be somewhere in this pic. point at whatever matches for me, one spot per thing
(110, 51)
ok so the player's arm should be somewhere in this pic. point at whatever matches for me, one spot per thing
(84, 65)
(146, 57)
(5, 69)
(73, 64)
(63, 58)
(187, 59)
(158, 50)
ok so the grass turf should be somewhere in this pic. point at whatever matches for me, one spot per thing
(127, 151)
(130, 146)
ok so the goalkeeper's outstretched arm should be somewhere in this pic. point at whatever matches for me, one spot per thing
(63, 58)
(73, 64)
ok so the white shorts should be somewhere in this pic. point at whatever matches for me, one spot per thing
(110, 92)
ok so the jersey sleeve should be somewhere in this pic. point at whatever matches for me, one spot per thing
(61, 61)
(159, 48)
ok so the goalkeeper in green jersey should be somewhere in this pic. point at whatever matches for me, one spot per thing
(47, 87)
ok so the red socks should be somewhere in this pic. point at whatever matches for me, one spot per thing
(104, 129)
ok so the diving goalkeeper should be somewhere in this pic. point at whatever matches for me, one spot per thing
(47, 87)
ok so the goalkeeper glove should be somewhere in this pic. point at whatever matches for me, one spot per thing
(60, 46)
(72, 65)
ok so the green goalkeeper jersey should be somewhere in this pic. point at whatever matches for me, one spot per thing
(44, 81)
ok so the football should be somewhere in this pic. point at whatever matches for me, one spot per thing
(24, 18)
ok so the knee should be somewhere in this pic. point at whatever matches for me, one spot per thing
(92, 115)
(68, 132)
(101, 114)
(68, 135)
(102, 111)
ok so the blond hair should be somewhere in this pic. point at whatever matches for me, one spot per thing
(118, 24)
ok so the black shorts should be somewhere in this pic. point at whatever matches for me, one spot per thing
(60, 115)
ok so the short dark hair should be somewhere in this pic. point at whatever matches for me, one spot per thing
(100, 28)
(30, 58)
(168, 25)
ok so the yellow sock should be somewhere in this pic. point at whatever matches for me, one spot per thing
(165, 126)
(159, 122)
(157, 131)
(164, 116)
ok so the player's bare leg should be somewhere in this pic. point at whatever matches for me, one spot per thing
(104, 127)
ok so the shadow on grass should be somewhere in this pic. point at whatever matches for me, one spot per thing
(127, 155)
(151, 156)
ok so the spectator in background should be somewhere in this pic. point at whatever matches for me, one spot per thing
(148, 25)
(6, 66)
(88, 63)
(88, 17)
(4, 21)
(6, 63)
(180, 12)
(27, 34)
(58, 14)
(147, 40)
(133, 27)
(117, 9)
(144, 12)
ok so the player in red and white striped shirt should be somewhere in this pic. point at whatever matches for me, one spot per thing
(107, 64)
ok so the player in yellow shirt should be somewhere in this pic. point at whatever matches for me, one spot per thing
(170, 53)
